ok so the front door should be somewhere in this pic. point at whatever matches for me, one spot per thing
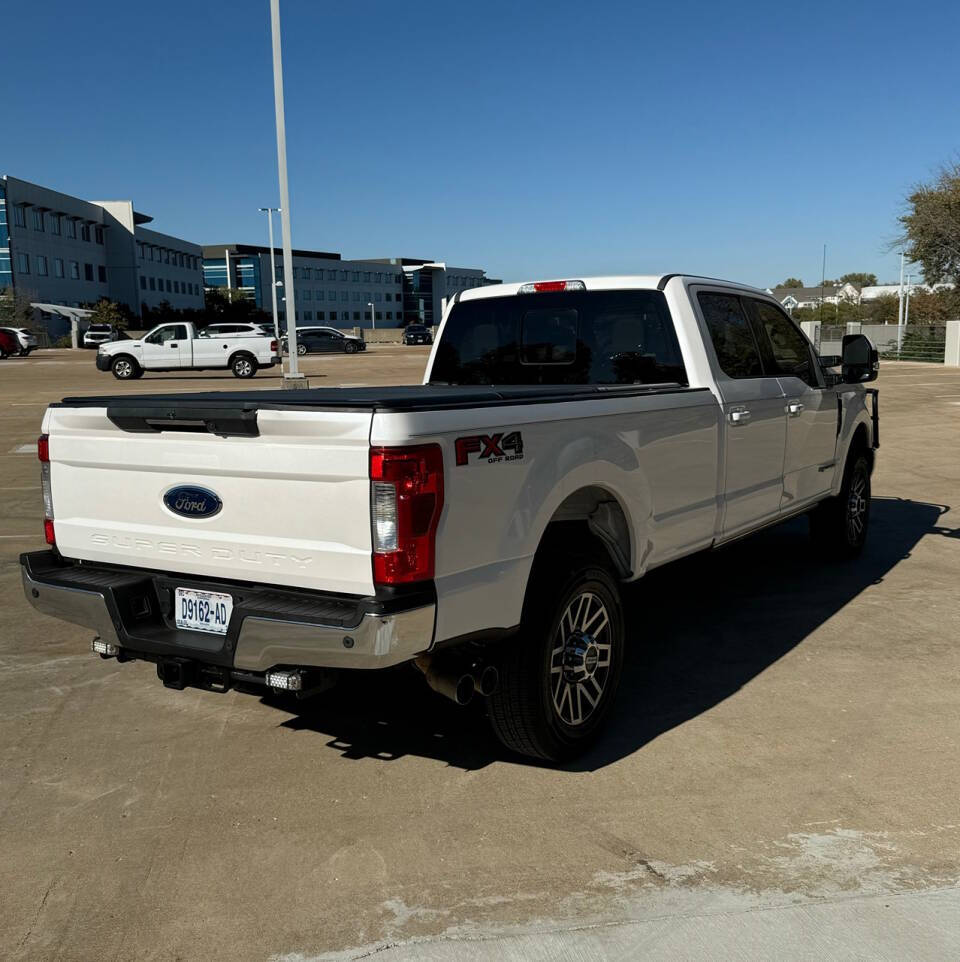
(167, 347)
(811, 407)
(754, 420)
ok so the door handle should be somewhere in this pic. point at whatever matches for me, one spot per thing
(794, 409)
(174, 344)
(739, 416)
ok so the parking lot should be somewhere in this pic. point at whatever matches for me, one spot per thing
(780, 777)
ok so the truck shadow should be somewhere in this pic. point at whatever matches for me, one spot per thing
(698, 631)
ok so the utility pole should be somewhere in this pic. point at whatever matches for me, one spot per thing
(291, 307)
(269, 211)
(823, 274)
(900, 304)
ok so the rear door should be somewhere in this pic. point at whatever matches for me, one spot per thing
(755, 427)
(811, 407)
(167, 347)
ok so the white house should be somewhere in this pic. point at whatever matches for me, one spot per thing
(794, 297)
(884, 290)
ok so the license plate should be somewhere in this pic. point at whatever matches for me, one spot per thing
(203, 610)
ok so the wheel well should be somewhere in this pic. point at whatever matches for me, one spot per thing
(240, 353)
(859, 443)
(590, 519)
(128, 357)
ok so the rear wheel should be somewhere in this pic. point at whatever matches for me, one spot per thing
(301, 349)
(243, 365)
(839, 525)
(559, 679)
(125, 368)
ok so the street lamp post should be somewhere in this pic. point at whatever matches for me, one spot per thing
(269, 211)
(373, 315)
(291, 308)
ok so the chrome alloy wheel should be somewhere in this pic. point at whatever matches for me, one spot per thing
(857, 504)
(580, 660)
(123, 368)
(243, 367)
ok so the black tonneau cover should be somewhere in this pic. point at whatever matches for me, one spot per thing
(416, 397)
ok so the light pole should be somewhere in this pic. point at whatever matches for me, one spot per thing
(291, 308)
(373, 314)
(269, 211)
(900, 301)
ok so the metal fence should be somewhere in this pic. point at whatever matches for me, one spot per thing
(894, 342)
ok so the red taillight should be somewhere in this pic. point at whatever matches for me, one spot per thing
(43, 447)
(273, 347)
(406, 501)
(551, 287)
(43, 453)
(48, 532)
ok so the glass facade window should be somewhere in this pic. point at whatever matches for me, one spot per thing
(85, 232)
(55, 224)
(343, 275)
(331, 295)
(23, 263)
(296, 273)
(74, 270)
(306, 273)
(58, 267)
(140, 250)
(88, 272)
(344, 296)
(320, 315)
(308, 315)
(306, 295)
(356, 315)
(318, 295)
(355, 275)
(143, 283)
(19, 217)
(331, 275)
(153, 284)
(41, 265)
(71, 228)
(101, 274)
(37, 219)
(366, 277)
(176, 287)
(169, 286)
(98, 235)
(6, 269)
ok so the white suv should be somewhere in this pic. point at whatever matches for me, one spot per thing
(97, 334)
(239, 329)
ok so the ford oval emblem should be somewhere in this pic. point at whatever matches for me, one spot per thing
(190, 501)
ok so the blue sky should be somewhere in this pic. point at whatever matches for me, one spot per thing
(529, 139)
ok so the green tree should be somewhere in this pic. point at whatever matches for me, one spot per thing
(931, 226)
(221, 305)
(110, 312)
(15, 309)
(859, 279)
(791, 282)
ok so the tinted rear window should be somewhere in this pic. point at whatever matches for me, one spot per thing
(593, 337)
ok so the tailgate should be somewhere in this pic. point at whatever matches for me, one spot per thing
(293, 488)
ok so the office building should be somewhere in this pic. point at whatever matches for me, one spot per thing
(335, 291)
(61, 250)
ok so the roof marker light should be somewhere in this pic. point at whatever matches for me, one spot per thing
(551, 287)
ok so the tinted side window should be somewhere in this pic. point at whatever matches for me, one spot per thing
(732, 336)
(791, 350)
(590, 337)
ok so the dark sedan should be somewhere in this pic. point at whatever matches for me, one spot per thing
(326, 340)
(417, 334)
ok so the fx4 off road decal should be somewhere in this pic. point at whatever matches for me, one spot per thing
(492, 448)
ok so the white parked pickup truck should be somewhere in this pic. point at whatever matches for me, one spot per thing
(569, 436)
(180, 346)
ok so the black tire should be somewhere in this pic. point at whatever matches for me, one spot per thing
(541, 708)
(243, 365)
(839, 525)
(349, 348)
(125, 368)
(301, 349)
(138, 373)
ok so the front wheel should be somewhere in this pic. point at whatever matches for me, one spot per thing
(301, 349)
(559, 678)
(125, 368)
(350, 348)
(839, 525)
(243, 365)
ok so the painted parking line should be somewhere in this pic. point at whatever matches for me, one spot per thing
(24, 449)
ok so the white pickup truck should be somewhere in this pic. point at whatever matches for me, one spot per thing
(569, 437)
(179, 346)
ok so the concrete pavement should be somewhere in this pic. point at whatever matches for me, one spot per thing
(780, 776)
